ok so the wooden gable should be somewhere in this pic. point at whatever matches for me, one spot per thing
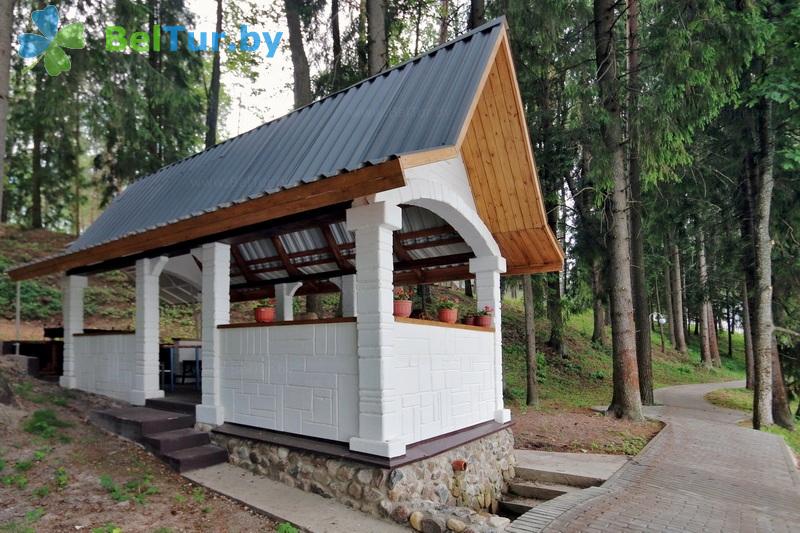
(496, 150)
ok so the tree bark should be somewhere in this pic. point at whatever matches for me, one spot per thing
(598, 296)
(444, 20)
(703, 315)
(336, 66)
(362, 47)
(762, 299)
(532, 396)
(713, 342)
(748, 337)
(677, 301)
(668, 305)
(6, 30)
(641, 304)
(781, 413)
(468, 288)
(477, 9)
(376, 31)
(302, 74)
(627, 400)
(212, 111)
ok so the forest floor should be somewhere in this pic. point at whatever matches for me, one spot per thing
(742, 400)
(59, 472)
(569, 386)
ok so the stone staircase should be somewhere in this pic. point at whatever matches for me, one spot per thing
(532, 487)
(167, 434)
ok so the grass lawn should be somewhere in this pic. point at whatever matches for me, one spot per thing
(568, 387)
(742, 400)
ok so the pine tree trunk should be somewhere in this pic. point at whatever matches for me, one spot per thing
(477, 10)
(677, 301)
(314, 304)
(468, 288)
(598, 296)
(668, 305)
(762, 299)
(362, 47)
(626, 400)
(532, 396)
(713, 342)
(703, 316)
(212, 111)
(302, 74)
(641, 304)
(730, 326)
(444, 20)
(6, 29)
(36, 159)
(336, 67)
(748, 336)
(376, 31)
(781, 412)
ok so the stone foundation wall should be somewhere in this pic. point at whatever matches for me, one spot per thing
(461, 486)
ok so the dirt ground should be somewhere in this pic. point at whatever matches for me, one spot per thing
(64, 474)
(580, 430)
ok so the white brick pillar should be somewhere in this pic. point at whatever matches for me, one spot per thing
(145, 368)
(379, 422)
(284, 293)
(215, 258)
(72, 308)
(487, 272)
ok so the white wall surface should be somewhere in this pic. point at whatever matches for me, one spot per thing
(300, 379)
(104, 364)
(445, 376)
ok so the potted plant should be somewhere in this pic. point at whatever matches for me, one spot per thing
(469, 320)
(402, 302)
(484, 317)
(266, 312)
(448, 311)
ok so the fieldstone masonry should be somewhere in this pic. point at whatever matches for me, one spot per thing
(429, 495)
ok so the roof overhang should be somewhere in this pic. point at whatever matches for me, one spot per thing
(207, 227)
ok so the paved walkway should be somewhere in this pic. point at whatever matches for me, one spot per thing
(310, 512)
(701, 473)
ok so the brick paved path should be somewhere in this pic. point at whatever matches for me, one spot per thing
(701, 473)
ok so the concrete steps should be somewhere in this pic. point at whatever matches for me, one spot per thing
(533, 486)
(169, 435)
(167, 404)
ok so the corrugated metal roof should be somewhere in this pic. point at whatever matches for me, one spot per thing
(418, 105)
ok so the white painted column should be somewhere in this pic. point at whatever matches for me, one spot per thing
(284, 292)
(347, 286)
(487, 272)
(145, 368)
(216, 300)
(379, 421)
(72, 321)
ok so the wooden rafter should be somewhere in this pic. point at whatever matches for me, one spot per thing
(341, 261)
(287, 263)
(236, 254)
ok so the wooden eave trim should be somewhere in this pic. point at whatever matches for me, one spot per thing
(321, 193)
(425, 157)
(534, 269)
(479, 91)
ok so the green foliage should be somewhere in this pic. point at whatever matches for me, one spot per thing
(61, 477)
(138, 489)
(41, 492)
(38, 300)
(45, 423)
(286, 527)
(198, 495)
(108, 528)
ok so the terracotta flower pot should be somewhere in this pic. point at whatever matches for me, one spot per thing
(265, 314)
(448, 315)
(483, 321)
(402, 308)
(469, 320)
